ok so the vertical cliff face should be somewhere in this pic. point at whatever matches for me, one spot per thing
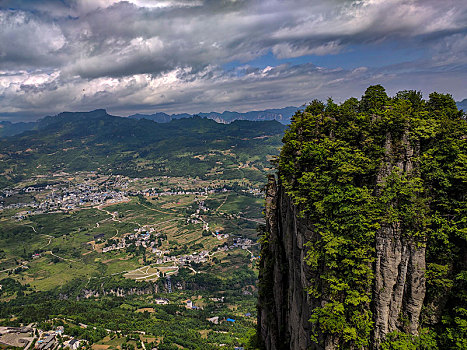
(284, 318)
(399, 284)
(362, 247)
(286, 306)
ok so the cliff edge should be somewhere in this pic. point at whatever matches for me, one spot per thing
(366, 229)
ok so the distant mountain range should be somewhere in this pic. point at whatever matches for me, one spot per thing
(462, 105)
(10, 129)
(282, 115)
(97, 141)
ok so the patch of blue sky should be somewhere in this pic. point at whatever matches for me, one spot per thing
(372, 56)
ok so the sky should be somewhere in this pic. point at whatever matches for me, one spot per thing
(174, 56)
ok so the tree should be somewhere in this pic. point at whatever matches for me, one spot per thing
(413, 96)
(443, 103)
(315, 107)
(330, 167)
(375, 97)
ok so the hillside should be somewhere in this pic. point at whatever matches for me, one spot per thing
(144, 232)
(9, 129)
(97, 141)
(282, 115)
(365, 244)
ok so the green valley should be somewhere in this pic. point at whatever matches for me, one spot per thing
(153, 227)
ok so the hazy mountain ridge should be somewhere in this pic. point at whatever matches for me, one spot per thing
(8, 128)
(462, 105)
(282, 115)
(139, 147)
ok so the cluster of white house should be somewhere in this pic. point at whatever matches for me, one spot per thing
(185, 259)
(25, 337)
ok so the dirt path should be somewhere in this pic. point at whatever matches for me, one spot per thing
(50, 240)
(258, 221)
(144, 270)
(11, 268)
(159, 211)
(109, 213)
(192, 269)
(113, 217)
(116, 234)
(65, 259)
(220, 206)
(251, 254)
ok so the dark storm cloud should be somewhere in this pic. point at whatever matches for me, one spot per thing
(83, 54)
(96, 34)
(26, 41)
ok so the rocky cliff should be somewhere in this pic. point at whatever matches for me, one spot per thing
(118, 292)
(364, 244)
(286, 306)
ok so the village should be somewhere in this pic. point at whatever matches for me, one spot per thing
(54, 337)
(88, 192)
(67, 195)
(64, 197)
(30, 337)
(130, 234)
(150, 240)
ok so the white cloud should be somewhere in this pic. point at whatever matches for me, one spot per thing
(286, 50)
(144, 54)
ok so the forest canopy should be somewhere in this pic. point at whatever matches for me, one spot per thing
(357, 166)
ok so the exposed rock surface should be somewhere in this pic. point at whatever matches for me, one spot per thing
(286, 307)
(399, 288)
(119, 292)
(284, 321)
(365, 241)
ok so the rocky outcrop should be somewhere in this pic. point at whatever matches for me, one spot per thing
(399, 287)
(118, 292)
(285, 306)
(399, 283)
(364, 245)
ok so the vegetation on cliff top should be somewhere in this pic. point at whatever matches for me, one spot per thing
(334, 165)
